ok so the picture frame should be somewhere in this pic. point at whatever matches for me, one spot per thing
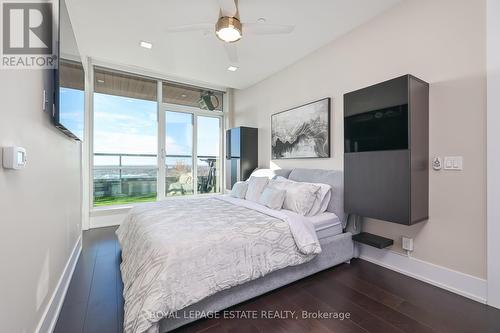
(302, 132)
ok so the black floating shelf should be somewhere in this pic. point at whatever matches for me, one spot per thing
(372, 240)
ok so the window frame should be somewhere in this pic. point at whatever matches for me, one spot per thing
(161, 132)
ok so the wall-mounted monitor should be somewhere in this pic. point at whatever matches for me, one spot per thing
(377, 130)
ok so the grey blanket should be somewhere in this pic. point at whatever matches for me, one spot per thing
(177, 252)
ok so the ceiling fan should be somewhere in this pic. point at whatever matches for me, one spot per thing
(230, 29)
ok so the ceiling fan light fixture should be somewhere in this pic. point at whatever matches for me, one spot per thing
(228, 29)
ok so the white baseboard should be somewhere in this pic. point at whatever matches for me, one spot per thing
(459, 283)
(51, 313)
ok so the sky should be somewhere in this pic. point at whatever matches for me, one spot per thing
(72, 110)
(128, 125)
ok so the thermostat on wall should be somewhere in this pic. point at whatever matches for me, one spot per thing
(14, 157)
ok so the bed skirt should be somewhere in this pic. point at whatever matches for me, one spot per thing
(335, 250)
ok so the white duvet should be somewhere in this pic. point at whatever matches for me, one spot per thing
(177, 252)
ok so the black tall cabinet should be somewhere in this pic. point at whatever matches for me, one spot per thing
(242, 154)
(386, 153)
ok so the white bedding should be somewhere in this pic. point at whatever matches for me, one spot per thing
(326, 224)
(177, 252)
(302, 228)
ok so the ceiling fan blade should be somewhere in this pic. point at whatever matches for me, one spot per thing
(228, 7)
(231, 52)
(191, 27)
(266, 29)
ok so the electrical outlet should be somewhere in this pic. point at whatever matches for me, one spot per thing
(407, 243)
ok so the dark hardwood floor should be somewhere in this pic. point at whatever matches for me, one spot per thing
(377, 299)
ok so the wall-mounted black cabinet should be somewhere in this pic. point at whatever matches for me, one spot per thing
(386, 151)
(242, 154)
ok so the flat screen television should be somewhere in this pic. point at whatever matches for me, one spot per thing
(69, 81)
(384, 129)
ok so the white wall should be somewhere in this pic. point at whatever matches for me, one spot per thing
(493, 152)
(39, 206)
(442, 42)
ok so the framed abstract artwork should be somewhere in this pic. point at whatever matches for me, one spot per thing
(302, 132)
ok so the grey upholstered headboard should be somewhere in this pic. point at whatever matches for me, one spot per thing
(334, 178)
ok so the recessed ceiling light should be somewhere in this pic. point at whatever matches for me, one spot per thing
(100, 80)
(146, 45)
(184, 96)
(232, 68)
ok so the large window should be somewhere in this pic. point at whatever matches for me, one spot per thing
(125, 139)
(139, 137)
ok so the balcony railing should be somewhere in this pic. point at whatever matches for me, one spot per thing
(131, 178)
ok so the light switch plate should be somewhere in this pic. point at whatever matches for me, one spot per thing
(453, 163)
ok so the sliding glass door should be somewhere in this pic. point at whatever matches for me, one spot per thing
(193, 146)
(208, 154)
(179, 154)
(192, 152)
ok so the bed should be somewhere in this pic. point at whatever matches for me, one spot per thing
(176, 272)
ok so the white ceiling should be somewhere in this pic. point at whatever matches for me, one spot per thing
(111, 30)
(69, 48)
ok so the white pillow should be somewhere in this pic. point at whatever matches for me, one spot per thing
(322, 197)
(278, 183)
(239, 190)
(272, 198)
(255, 187)
(299, 197)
